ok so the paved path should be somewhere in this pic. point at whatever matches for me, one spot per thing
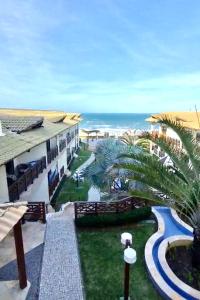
(94, 194)
(61, 274)
(86, 163)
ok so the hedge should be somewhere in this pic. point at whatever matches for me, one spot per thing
(138, 214)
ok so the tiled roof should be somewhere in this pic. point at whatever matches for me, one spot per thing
(20, 124)
(189, 120)
(9, 216)
(12, 144)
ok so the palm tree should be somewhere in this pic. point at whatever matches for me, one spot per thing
(100, 173)
(180, 182)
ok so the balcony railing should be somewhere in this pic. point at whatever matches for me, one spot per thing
(53, 184)
(69, 138)
(69, 158)
(20, 185)
(62, 172)
(52, 154)
(62, 145)
(76, 132)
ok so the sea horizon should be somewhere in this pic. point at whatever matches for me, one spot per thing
(115, 121)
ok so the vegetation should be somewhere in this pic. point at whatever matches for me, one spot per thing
(179, 183)
(83, 155)
(69, 190)
(103, 267)
(103, 220)
(100, 174)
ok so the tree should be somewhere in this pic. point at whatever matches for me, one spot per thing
(179, 183)
(100, 173)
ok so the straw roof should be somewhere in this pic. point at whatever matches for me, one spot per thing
(190, 120)
(53, 116)
(10, 214)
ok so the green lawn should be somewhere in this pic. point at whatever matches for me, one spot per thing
(102, 263)
(83, 155)
(69, 190)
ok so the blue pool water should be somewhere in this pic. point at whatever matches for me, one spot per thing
(172, 228)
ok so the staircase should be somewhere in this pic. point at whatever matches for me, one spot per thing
(61, 274)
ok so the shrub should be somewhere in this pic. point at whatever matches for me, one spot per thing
(103, 220)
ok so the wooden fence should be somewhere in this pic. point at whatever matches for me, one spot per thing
(36, 212)
(96, 208)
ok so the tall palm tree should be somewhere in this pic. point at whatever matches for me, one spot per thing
(100, 172)
(180, 182)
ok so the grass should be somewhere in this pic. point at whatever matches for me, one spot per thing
(69, 190)
(83, 155)
(102, 263)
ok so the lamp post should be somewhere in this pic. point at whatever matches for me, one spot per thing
(129, 258)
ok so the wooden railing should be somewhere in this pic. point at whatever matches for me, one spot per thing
(52, 154)
(36, 212)
(21, 184)
(53, 185)
(62, 172)
(96, 208)
(69, 138)
(62, 145)
(69, 158)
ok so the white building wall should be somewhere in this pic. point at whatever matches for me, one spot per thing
(38, 191)
(172, 134)
(34, 154)
(53, 142)
(62, 160)
(4, 197)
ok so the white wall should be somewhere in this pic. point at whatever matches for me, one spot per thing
(172, 134)
(34, 154)
(4, 197)
(53, 142)
(62, 161)
(38, 191)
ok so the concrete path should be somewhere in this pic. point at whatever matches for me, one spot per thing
(86, 163)
(94, 194)
(61, 273)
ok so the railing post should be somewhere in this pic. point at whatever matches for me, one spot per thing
(96, 210)
(43, 212)
(75, 210)
(20, 255)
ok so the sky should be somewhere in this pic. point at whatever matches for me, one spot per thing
(100, 55)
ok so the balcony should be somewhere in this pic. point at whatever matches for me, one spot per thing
(69, 138)
(69, 158)
(51, 155)
(26, 175)
(53, 184)
(62, 145)
(62, 170)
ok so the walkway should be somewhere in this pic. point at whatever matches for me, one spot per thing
(61, 273)
(88, 162)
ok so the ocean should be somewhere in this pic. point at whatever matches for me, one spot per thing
(114, 121)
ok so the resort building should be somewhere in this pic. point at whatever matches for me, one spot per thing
(36, 149)
(189, 120)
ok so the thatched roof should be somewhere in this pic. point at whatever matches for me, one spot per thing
(190, 120)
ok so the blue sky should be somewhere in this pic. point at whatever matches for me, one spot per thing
(100, 55)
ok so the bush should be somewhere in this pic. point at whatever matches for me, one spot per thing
(103, 220)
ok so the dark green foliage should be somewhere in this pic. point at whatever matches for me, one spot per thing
(133, 216)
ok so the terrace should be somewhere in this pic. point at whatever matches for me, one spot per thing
(52, 154)
(24, 176)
